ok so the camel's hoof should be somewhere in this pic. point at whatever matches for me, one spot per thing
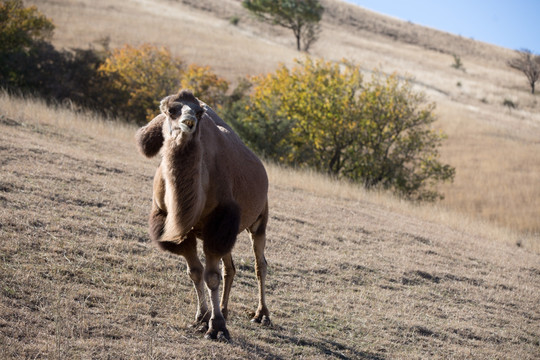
(263, 320)
(201, 323)
(200, 327)
(219, 335)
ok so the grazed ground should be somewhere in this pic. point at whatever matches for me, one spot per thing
(349, 279)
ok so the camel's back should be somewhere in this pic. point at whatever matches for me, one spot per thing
(233, 169)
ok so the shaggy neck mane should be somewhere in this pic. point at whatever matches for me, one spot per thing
(184, 194)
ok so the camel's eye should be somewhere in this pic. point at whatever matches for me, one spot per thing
(175, 111)
(200, 113)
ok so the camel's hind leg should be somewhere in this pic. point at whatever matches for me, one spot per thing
(258, 239)
(228, 275)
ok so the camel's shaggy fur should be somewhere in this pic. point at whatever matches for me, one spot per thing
(209, 185)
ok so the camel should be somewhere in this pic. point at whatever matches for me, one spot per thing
(210, 186)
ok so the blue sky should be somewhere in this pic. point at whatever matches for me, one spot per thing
(514, 24)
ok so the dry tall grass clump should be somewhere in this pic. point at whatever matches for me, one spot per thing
(353, 275)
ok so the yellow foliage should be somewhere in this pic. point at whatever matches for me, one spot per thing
(315, 98)
(205, 84)
(322, 115)
(146, 74)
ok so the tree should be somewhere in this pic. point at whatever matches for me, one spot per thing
(23, 35)
(21, 27)
(324, 116)
(205, 84)
(528, 64)
(397, 147)
(301, 16)
(140, 77)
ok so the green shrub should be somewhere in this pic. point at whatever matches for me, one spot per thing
(458, 65)
(23, 34)
(509, 104)
(21, 27)
(234, 20)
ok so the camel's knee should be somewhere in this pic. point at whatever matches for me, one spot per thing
(212, 279)
(261, 267)
(196, 274)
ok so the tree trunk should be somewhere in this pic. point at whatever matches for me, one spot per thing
(297, 29)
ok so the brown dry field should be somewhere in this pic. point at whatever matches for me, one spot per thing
(353, 275)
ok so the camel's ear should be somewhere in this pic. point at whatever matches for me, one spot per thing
(164, 104)
(150, 137)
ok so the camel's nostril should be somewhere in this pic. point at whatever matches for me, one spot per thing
(187, 124)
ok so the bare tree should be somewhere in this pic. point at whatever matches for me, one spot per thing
(528, 64)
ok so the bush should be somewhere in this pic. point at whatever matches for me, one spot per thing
(458, 65)
(22, 27)
(139, 78)
(128, 82)
(23, 33)
(205, 85)
(323, 115)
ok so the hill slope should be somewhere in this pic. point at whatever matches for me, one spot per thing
(349, 279)
(493, 148)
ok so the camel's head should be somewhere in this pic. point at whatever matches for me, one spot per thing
(183, 113)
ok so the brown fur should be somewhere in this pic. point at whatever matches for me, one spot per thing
(181, 168)
(150, 137)
(221, 228)
(208, 185)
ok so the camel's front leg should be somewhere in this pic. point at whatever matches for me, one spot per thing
(212, 278)
(196, 271)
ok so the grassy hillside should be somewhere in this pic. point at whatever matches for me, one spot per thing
(494, 149)
(353, 275)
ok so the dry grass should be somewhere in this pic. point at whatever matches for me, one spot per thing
(323, 186)
(499, 173)
(353, 275)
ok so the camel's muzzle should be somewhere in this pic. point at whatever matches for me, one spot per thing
(188, 120)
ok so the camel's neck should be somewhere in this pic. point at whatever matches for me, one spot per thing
(184, 195)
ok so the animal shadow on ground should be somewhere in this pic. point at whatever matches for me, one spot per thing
(326, 347)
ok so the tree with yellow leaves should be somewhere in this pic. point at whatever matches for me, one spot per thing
(205, 84)
(139, 77)
(323, 115)
(142, 76)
